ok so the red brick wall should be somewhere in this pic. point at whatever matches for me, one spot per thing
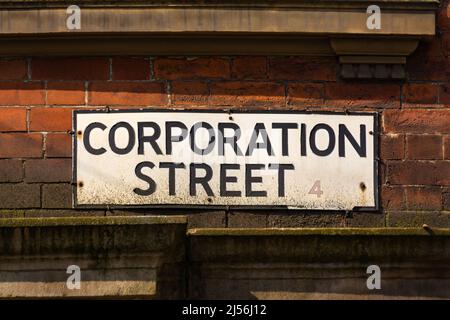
(38, 94)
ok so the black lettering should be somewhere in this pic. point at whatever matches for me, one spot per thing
(170, 138)
(151, 183)
(151, 139)
(230, 140)
(194, 180)
(284, 135)
(224, 179)
(131, 138)
(303, 140)
(172, 166)
(259, 128)
(211, 141)
(281, 176)
(249, 180)
(331, 142)
(87, 142)
(359, 148)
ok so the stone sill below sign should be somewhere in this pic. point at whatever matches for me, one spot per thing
(226, 27)
(157, 257)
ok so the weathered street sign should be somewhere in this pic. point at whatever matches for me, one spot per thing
(324, 161)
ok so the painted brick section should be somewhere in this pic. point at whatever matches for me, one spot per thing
(22, 93)
(20, 145)
(127, 94)
(70, 68)
(247, 94)
(57, 196)
(13, 69)
(126, 68)
(58, 145)
(417, 121)
(48, 170)
(432, 173)
(50, 119)
(13, 119)
(196, 68)
(17, 196)
(11, 170)
(425, 147)
(66, 93)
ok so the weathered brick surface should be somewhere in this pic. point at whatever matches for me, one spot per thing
(70, 68)
(420, 93)
(434, 173)
(50, 119)
(15, 196)
(11, 170)
(20, 145)
(192, 93)
(424, 198)
(353, 95)
(48, 170)
(13, 119)
(417, 121)
(127, 93)
(392, 146)
(249, 68)
(303, 68)
(130, 68)
(58, 145)
(57, 196)
(66, 93)
(424, 147)
(196, 68)
(22, 93)
(13, 69)
(301, 94)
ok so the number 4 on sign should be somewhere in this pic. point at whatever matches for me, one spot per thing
(316, 189)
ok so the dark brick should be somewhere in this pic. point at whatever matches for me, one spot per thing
(57, 196)
(14, 196)
(247, 219)
(48, 170)
(294, 219)
(11, 171)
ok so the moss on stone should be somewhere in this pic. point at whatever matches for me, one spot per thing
(319, 232)
(74, 221)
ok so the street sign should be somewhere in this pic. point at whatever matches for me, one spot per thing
(260, 159)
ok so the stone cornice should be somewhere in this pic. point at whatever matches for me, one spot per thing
(286, 27)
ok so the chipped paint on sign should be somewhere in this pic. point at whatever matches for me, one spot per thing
(320, 161)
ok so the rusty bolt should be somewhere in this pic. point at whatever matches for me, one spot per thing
(80, 184)
(363, 187)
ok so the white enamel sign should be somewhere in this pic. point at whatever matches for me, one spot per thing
(321, 161)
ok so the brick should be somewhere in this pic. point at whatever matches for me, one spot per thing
(15, 69)
(444, 94)
(393, 198)
(446, 200)
(128, 68)
(392, 147)
(57, 196)
(15, 196)
(249, 68)
(70, 68)
(11, 171)
(209, 219)
(190, 93)
(50, 119)
(300, 94)
(22, 93)
(428, 63)
(58, 145)
(351, 95)
(424, 147)
(420, 93)
(127, 93)
(13, 119)
(301, 219)
(197, 68)
(416, 121)
(443, 17)
(20, 145)
(66, 93)
(446, 147)
(433, 173)
(238, 93)
(418, 219)
(247, 220)
(424, 198)
(48, 170)
(303, 68)
(365, 219)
